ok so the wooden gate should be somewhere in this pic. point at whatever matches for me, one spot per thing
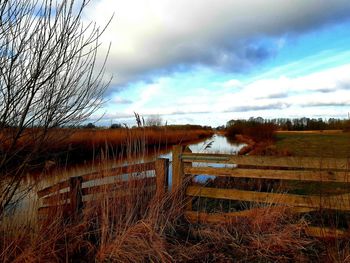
(327, 170)
(72, 194)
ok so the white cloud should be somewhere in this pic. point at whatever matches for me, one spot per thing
(232, 83)
(145, 96)
(302, 96)
(325, 88)
(155, 35)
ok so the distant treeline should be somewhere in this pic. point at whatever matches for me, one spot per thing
(296, 124)
(167, 126)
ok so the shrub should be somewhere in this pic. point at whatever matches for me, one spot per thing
(115, 126)
(255, 130)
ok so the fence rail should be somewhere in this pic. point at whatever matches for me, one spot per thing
(302, 169)
(69, 195)
(267, 161)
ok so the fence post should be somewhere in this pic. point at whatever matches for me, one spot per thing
(161, 168)
(188, 180)
(177, 166)
(75, 195)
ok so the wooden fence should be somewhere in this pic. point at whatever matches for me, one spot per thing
(327, 170)
(73, 194)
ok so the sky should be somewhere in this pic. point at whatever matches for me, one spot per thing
(207, 62)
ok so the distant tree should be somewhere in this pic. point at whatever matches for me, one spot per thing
(48, 79)
(90, 126)
(346, 124)
(256, 128)
(154, 120)
(115, 126)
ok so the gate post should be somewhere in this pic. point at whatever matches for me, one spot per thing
(75, 195)
(188, 180)
(177, 178)
(161, 169)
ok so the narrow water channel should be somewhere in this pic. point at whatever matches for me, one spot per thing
(215, 144)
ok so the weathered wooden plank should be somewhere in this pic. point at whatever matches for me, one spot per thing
(96, 198)
(120, 186)
(53, 188)
(56, 199)
(161, 168)
(75, 195)
(177, 168)
(338, 202)
(271, 209)
(187, 180)
(45, 210)
(134, 168)
(270, 161)
(318, 176)
(97, 175)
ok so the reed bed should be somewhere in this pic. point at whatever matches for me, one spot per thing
(151, 136)
(64, 146)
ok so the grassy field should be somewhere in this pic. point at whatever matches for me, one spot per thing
(315, 143)
(323, 144)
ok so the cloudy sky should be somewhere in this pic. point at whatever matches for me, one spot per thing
(206, 62)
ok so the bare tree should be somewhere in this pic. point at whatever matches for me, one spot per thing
(154, 120)
(48, 79)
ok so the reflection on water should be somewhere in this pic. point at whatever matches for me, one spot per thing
(215, 144)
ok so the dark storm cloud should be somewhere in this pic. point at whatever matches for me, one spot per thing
(167, 36)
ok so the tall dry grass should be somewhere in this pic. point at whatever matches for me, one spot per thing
(139, 227)
(63, 146)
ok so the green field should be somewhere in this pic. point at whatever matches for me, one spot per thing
(316, 144)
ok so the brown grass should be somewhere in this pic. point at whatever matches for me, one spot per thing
(72, 146)
(152, 136)
(134, 140)
(140, 228)
(270, 235)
